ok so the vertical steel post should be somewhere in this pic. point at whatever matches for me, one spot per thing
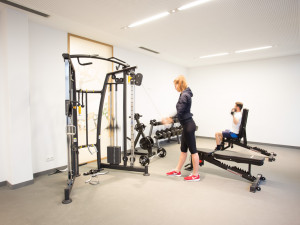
(125, 117)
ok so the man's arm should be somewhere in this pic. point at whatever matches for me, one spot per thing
(236, 119)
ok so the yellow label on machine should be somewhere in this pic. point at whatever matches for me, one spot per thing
(129, 79)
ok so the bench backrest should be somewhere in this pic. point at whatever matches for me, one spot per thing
(242, 132)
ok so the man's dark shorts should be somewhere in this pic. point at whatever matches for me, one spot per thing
(229, 134)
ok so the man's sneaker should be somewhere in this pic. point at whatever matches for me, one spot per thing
(218, 148)
(192, 178)
(174, 173)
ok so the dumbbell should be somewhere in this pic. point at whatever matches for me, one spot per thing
(153, 122)
(158, 134)
(232, 111)
(169, 132)
(177, 131)
(164, 133)
(173, 131)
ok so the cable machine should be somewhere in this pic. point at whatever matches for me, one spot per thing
(72, 102)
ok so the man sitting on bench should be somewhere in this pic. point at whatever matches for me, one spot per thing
(236, 122)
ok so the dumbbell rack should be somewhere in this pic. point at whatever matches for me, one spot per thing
(168, 133)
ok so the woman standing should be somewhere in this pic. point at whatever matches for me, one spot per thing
(188, 140)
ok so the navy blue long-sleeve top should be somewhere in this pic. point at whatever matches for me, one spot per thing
(184, 104)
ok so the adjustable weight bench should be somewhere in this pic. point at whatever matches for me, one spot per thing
(242, 140)
(213, 156)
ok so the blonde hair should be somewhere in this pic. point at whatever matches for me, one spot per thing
(181, 81)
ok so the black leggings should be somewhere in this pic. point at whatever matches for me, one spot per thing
(188, 140)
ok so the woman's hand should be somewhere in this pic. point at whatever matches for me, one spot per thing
(167, 120)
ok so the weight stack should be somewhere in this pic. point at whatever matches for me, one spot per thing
(114, 155)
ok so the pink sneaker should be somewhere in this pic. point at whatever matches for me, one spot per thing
(192, 178)
(174, 173)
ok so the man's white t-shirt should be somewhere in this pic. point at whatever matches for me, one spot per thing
(236, 127)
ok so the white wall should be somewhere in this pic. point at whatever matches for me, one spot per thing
(156, 97)
(32, 96)
(3, 100)
(268, 88)
(16, 115)
(47, 94)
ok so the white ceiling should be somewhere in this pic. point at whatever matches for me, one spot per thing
(182, 37)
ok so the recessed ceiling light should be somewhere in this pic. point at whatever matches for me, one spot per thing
(158, 16)
(253, 49)
(192, 4)
(214, 55)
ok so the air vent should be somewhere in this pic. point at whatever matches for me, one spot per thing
(24, 8)
(149, 50)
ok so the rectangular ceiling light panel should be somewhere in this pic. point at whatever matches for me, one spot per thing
(253, 49)
(192, 4)
(149, 19)
(214, 55)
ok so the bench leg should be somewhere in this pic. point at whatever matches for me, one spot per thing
(255, 185)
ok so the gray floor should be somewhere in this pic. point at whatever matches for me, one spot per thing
(131, 198)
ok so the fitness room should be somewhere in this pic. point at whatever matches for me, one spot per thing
(150, 112)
